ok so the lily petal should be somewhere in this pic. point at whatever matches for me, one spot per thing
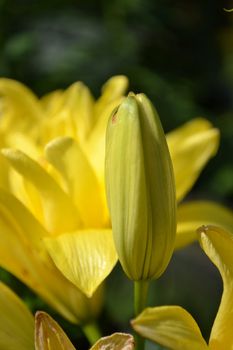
(20, 106)
(68, 158)
(191, 146)
(80, 104)
(218, 245)
(114, 88)
(193, 214)
(116, 341)
(49, 335)
(170, 326)
(112, 95)
(28, 260)
(51, 103)
(60, 213)
(4, 166)
(16, 322)
(85, 257)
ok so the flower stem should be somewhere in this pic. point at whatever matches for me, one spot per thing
(140, 299)
(92, 332)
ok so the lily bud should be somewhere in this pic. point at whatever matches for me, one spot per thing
(140, 189)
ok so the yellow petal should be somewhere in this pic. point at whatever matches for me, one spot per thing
(79, 102)
(51, 103)
(16, 322)
(114, 88)
(85, 257)
(112, 95)
(28, 260)
(193, 214)
(23, 143)
(21, 108)
(59, 211)
(191, 146)
(170, 326)
(116, 341)
(49, 335)
(4, 173)
(218, 245)
(68, 158)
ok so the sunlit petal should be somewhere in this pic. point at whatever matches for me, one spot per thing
(28, 260)
(59, 212)
(218, 245)
(193, 214)
(49, 335)
(80, 104)
(16, 322)
(85, 257)
(21, 108)
(51, 103)
(22, 142)
(112, 95)
(170, 326)
(191, 146)
(4, 166)
(114, 88)
(66, 155)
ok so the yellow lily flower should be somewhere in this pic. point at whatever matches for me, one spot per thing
(174, 327)
(63, 186)
(50, 207)
(18, 330)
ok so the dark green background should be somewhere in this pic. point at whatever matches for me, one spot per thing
(180, 53)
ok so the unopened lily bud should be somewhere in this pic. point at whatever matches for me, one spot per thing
(140, 189)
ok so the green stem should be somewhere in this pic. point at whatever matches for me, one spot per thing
(140, 299)
(92, 332)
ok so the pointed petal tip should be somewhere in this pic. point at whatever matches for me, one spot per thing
(202, 229)
(116, 341)
(11, 153)
(5, 151)
(66, 140)
(85, 257)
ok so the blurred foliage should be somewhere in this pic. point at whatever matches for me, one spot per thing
(180, 53)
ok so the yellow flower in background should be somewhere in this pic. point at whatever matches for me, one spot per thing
(191, 146)
(18, 330)
(54, 164)
(173, 327)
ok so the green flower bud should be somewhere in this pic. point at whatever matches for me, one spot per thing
(140, 189)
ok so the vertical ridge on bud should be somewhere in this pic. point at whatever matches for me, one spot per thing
(140, 189)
